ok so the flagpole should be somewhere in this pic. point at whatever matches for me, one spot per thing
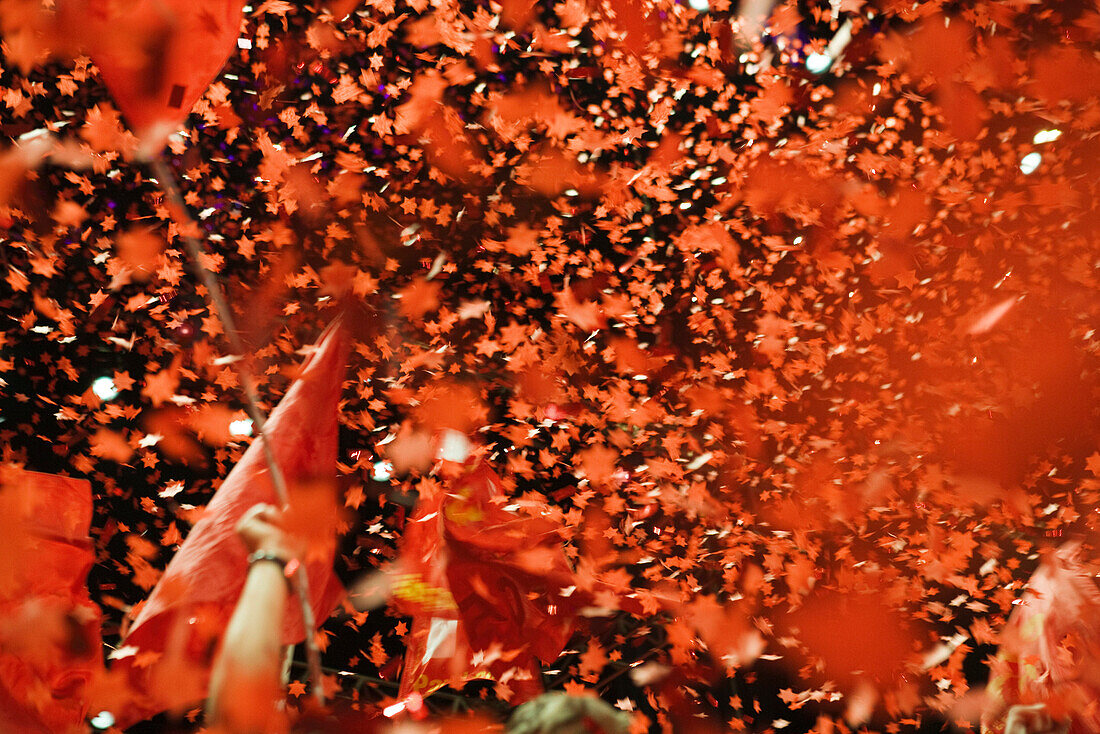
(167, 180)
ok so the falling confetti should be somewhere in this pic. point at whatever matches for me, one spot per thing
(784, 314)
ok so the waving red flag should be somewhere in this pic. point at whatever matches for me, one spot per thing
(490, 590)
(157, 57)
(50, 647)
(194, 599)
(1050, 649)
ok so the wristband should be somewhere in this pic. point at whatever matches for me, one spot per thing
(288, 567)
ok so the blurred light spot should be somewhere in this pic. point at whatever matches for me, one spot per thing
(454, 446)
(987, 320)
(104, 388)
(414, 702)
(1046, 136)
(245, 43)
(383, 470)
(150, 439)
(242, 427)
(102, 721)
(1030, 162)
(818, 63)
(701, 5)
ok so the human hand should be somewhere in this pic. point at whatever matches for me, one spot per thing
(261, 529)
(1034, 719)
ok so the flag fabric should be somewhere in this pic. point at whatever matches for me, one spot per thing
(156, 57)
(50, 647)
(194, 599)
(489, 590)
(1050, 648)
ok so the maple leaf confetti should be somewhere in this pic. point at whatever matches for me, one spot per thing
(777, 311)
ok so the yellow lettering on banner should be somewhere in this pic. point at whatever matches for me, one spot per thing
(422, 683)
(409, 587)
(461, 511)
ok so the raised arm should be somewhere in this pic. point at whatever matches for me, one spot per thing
(245, 685)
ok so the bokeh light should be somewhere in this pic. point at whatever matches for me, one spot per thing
(104, 388)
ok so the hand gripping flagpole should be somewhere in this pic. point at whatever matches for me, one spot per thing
(167, 179)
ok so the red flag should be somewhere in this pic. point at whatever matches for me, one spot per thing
(194, 599)
(50, 649)
(157, 57)
(1050, 648)
(490, 590)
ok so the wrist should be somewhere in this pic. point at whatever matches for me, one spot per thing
(271, 547)
(285, 562)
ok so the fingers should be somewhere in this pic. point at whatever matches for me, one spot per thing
(265, 512)
(261, 527)
(259, 518)
(1035, 719)
(1020, 720)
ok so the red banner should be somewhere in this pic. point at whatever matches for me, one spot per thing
(50, 648)
(157, 57)
(194, 599)
(489, 589)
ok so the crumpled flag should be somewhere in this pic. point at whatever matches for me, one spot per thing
(157, 57)
(183, 618)
(490, 590)
(50, 647)
(1050, 648)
